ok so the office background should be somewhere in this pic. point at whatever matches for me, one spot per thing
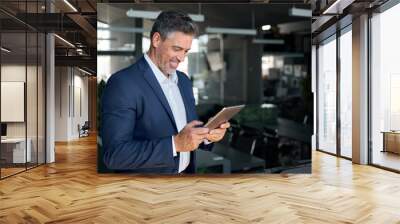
(356, 81)
(48, 80)
(22, 79)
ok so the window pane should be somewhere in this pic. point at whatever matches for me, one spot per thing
(346, 94)
(385, 88)
(327, 96)
(31, 97)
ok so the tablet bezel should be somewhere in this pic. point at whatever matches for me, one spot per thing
(219, 117)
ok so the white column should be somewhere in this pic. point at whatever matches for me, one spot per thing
(360, 90)
(50, 92)
(50, 99)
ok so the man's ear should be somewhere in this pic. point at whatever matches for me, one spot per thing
(156, 39)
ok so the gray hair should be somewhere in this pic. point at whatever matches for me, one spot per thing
(173, 21)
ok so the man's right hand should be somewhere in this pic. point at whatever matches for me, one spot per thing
(190, 137)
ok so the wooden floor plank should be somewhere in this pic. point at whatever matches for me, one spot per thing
(71, 191)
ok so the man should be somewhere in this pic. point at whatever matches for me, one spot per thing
(148, 117)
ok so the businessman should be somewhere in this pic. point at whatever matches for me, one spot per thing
(149, 121)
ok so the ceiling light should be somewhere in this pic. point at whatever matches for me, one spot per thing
(300, 12)
(65, 41)
(235, 31)
(70, 5)
(5, 50)
(153, 15)
(124, 29)
(338, 6)
(268, 41)
(266, 27)
(84, 71)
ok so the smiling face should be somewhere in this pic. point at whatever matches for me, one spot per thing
(168, 53)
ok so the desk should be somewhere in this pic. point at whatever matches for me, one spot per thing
(206, 159)
(240, 161)
(391, 141)
(15, 148)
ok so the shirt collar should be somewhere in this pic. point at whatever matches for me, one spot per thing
(161, 78)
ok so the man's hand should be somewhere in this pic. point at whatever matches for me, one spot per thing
(218, 133)
(190, 137)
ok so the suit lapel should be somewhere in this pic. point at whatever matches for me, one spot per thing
(186, 102)
(151, 79)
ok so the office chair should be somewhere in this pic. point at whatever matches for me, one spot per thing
(84, 130)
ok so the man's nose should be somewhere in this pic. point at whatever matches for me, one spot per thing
(180, 57)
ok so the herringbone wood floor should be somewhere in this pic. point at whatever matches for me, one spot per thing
(70, 191)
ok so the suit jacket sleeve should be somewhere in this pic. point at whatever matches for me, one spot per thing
(121, 149)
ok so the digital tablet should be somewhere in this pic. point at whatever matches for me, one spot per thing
(223, 116)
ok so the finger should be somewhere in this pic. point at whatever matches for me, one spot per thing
(217, 131)
(194, 123)
(212, 138)
(200, 131)
(225, 125)
(200, 137)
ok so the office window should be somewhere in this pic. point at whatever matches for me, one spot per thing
(327, 95)
(385, 88)
(346, 93)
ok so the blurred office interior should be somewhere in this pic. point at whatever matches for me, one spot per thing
(253, 54)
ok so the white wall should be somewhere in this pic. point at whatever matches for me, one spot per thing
(12, 73)
(33, 125)
(71, 93)
(79, 117)
(61, 103)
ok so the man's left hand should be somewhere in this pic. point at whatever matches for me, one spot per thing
(217, 134)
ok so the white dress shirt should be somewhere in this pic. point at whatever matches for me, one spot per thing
(169, 86)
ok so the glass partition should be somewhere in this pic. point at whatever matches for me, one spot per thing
(15, 150)
(22, 88)
(31, 100)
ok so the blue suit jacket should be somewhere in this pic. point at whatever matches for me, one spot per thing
(137, 122)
